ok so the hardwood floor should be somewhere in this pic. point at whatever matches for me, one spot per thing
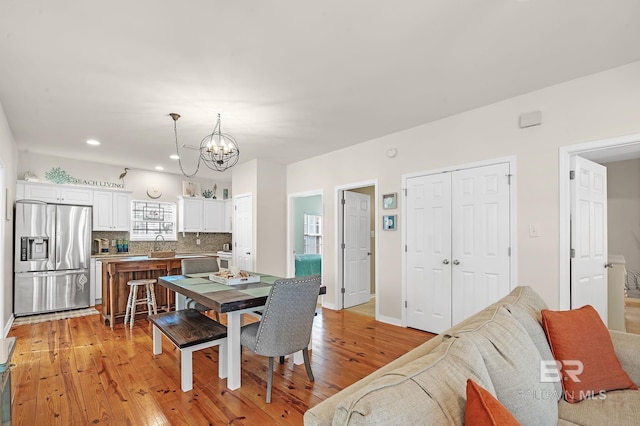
(77, 371)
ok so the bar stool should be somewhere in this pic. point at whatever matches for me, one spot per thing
(149, 300)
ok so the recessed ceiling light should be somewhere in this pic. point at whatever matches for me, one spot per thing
(93, 142)
(159, 168)
(174, 157)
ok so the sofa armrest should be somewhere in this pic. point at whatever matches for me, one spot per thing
(627, 347)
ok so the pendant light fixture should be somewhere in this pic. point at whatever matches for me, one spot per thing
(218, 151)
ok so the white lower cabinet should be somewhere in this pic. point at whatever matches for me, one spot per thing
(95, 274)
(98, 281)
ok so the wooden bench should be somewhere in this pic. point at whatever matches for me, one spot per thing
(190, 331)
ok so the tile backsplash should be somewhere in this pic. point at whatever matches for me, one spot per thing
(187, 244)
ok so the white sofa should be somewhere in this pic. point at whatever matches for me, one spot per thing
(500, 348)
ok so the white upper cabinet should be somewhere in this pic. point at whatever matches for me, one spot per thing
(213, 216)
(200, 215)
(111, 210)
(228, 216)
(189, 214)
(54, 193)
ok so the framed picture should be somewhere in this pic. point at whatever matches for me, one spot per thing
(191, 189)
(389, 222)
(389, 201)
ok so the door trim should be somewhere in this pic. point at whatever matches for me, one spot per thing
(337, 238)
(564, 157)
(513, 237)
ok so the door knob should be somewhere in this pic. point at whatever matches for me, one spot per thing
(446, 261)
(456, 262)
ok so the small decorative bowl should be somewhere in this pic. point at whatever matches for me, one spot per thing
(207, 193)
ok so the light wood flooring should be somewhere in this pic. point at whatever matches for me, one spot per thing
(77, 371)
(368, 309)
(632, 315)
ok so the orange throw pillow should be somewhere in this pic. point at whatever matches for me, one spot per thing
(483, 409)
(582, 347)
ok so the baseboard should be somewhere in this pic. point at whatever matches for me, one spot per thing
(389, 320)
(329, 306)
(7, 327)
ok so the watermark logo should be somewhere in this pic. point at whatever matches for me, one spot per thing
(550, 370)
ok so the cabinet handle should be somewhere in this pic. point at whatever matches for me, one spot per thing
(456, 262)
(446, 261)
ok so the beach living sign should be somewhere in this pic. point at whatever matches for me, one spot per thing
(57, 175)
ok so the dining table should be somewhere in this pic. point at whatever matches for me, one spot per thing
(233, 300)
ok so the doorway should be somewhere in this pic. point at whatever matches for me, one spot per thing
(610, 295)
(356, 245)
(306, 234)
(243, 232)
(600, 151)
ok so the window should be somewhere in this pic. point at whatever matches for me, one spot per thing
(152, 218)
(312, 234)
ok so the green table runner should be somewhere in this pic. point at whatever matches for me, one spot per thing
(256, 292)
(190, 281)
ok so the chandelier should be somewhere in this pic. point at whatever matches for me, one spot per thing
(218, 151)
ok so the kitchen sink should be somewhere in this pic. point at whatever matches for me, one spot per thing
(162, 254)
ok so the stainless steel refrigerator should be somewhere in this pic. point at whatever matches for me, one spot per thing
(52, 251)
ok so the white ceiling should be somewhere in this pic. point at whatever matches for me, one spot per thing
(292, 79)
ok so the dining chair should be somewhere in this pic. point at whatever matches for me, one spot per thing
(286, 323)
(196, 266)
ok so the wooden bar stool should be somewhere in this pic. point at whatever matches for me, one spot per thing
(132, 302)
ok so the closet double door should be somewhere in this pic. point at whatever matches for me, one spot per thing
(457, 235)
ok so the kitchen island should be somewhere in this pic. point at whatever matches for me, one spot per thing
(118, 271)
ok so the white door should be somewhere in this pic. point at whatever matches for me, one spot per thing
(589, 235)
(457, 235)
(480, 238)
(357, 252)
(428, 237)
(243, 233)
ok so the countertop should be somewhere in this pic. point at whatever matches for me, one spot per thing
(130, 257)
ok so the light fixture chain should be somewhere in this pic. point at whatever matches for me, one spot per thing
(175, 131)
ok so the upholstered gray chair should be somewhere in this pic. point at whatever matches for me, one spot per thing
(286, 323)
(196, 266)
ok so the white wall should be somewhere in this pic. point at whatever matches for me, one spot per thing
(272, 218)
(623, 193)
(8, 160)
(136, 180)
(586, 109)
(266, 181)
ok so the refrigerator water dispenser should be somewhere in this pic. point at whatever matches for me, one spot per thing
(34, 248)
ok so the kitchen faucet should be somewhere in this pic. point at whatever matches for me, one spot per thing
(155, 245)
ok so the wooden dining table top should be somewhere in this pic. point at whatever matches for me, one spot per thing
(222, 298)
